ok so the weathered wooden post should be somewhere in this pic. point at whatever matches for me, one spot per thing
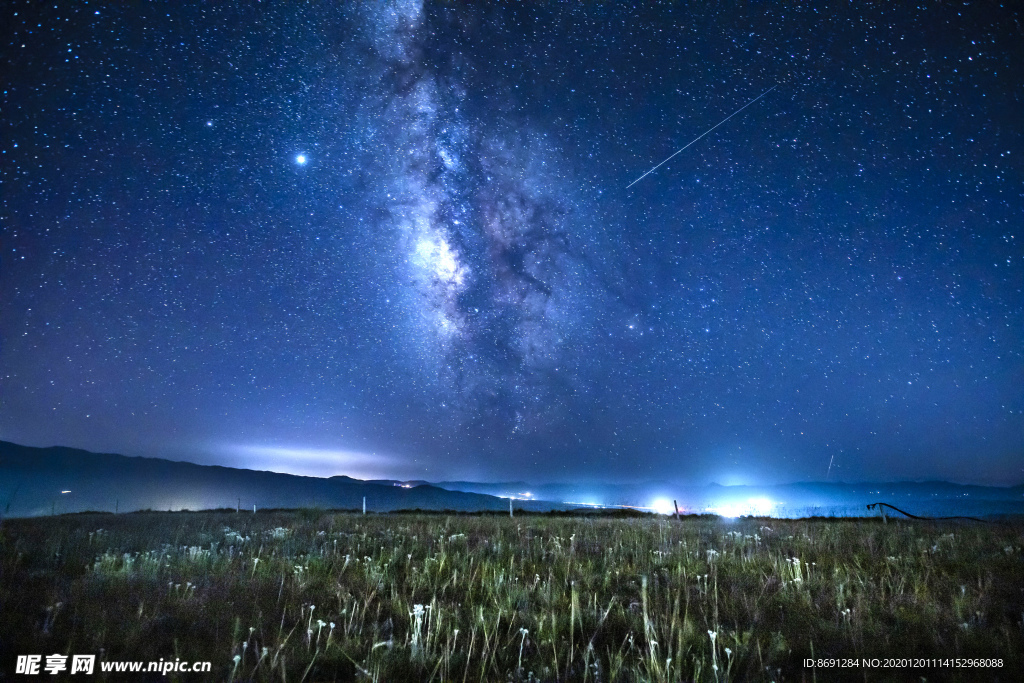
(364, 505)
(677, 508)
(510, 507)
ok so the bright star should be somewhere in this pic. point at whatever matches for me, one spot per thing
(301, 160)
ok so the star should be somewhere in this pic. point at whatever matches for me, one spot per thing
(447, 282)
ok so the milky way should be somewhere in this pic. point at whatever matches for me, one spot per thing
(490, 273)
(399, 239)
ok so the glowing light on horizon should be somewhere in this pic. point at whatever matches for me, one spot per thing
(726, 511)
(313, 462)
(760, 507)
(663, 506)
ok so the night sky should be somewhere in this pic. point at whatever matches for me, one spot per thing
(394, 240)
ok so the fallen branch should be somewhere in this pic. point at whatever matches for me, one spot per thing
(872, 506)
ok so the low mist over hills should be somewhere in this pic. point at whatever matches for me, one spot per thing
(41, 481)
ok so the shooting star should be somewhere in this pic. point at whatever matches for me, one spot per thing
(702, 135)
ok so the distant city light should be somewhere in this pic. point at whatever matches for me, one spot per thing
(312, 461)
(726, 510)
(754, 506)
(663, 506)
(68, 491)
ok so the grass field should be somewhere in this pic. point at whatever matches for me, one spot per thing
(316, 596)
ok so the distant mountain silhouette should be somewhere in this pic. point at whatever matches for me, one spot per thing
(32, 481)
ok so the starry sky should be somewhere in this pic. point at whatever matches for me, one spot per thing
(399, 239)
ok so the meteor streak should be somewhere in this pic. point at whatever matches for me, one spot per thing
(702, 135)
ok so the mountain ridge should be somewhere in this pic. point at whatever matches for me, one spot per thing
(56, 479)
(37, 481)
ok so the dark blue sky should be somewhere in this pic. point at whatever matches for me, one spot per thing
(397, 240)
